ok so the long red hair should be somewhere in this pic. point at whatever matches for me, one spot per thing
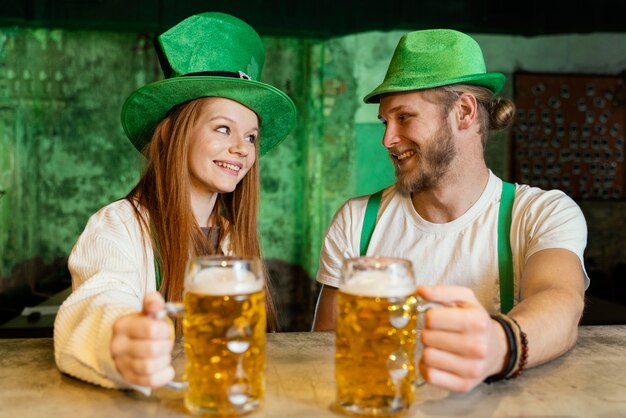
(163, 191)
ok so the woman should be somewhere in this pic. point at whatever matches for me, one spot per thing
(201, 129)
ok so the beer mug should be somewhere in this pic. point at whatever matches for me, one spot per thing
(377, 343)
(224, 326)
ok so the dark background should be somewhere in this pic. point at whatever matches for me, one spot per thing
(329, 18)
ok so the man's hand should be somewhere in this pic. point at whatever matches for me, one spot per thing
(142, 345)
(462, 344)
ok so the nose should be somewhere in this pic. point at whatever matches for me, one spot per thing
(241, 147)
(390, 138)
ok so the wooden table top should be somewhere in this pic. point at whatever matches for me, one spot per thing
(589, 381)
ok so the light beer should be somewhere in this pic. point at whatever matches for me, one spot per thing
(224, 329)
(375, 344)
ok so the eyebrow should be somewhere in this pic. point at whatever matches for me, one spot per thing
(221, 117)
(393, 110)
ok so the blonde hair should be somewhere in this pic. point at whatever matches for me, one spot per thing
(164, 192)
(494, 113)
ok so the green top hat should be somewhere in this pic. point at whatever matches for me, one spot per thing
(433, 58)
(209, 55)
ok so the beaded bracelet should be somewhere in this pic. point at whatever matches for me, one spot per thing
(518, 349)
(523, 352)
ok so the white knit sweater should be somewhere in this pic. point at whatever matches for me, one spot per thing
(112, 267)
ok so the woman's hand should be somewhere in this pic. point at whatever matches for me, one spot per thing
(142, 345)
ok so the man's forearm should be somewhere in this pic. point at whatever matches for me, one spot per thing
(550, 320)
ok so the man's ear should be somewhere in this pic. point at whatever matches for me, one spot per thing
(467, 110)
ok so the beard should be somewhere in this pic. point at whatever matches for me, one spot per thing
(433, 162)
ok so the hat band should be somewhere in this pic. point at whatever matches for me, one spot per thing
(231, 74)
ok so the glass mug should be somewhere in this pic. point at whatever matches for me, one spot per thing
(224, 326)
(377, 340)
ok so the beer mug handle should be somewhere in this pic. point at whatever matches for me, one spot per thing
(174, 310)
(422, 307)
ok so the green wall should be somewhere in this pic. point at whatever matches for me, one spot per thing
(63, 153)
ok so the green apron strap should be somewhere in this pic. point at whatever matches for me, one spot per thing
(505, 258)
(157, 274)
(369, 222)
(157, 267)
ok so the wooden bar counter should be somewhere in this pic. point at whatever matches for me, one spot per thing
(589, 381)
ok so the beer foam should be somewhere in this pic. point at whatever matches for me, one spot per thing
(224, 281)
(377, 284)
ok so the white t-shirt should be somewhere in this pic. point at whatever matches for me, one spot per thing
(461, 252)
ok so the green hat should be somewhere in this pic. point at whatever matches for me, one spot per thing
(209, 55)
(433, 58)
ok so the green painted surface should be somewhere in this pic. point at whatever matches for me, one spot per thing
(374, 170)
(338, 175)
(283, 170)
(63, 153)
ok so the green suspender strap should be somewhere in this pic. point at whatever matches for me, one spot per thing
(505, 258)
(369, 222)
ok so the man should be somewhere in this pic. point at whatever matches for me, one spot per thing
(438, 104)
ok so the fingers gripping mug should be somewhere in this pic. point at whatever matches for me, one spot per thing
(377, 337)
(224, 329)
